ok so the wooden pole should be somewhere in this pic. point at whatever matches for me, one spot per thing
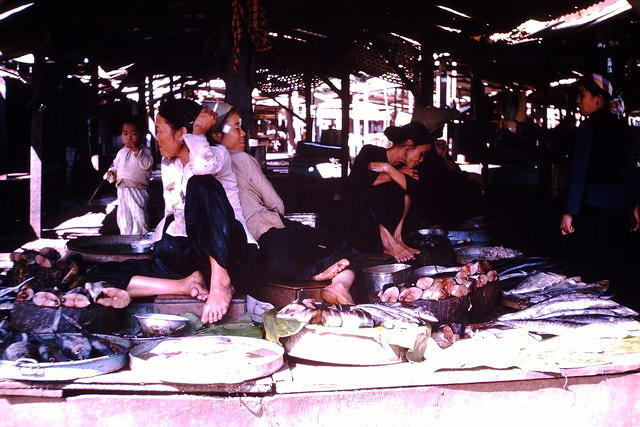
(345, 95)
(35, 156)
(308, 101)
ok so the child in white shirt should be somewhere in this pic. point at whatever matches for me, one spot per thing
(131, 172)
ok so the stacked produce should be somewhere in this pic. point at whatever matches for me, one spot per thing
(471, 276)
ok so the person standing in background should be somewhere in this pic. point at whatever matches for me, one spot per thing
(131, 172)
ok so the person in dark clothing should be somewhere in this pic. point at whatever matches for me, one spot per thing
(603, 196)
(379, 189)
(445, 196)
(203, 239)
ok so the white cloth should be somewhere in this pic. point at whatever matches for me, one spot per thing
(204, 159)
(132, 170)
(132, 212)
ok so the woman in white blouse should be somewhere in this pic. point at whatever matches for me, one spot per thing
(203, 240)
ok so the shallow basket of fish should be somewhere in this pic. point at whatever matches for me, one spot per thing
(340, 346)
(465, 255)
(31, 370)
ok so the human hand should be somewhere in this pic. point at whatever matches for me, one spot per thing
(566, 224)
(379, 166)
(110, 176)
(413, 173)
(441, 147)
(635, 218)
(205, 121)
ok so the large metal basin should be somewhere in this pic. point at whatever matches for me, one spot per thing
(376, 277)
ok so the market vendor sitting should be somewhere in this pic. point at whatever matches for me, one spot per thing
(289, 250)
(379, 190)
(203, 239)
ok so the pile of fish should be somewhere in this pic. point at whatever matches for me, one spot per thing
(392, 315)
(512, 271)
(545, 285)
(471, 276)
(52, 348)
(568, 312)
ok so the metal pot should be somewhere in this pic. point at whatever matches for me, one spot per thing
(374, 278)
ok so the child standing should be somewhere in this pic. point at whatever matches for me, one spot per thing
(131, 171)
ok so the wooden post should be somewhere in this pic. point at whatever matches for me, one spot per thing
(35, 156)
(426, 75)
(308, 100)
(345, 95)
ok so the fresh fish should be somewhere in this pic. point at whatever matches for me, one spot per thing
(297, 312)
(331, 318)
(49, 351)
(410, 294)
(388, 317)
(357, 318)
(390, 294)
(424, 282)
(594, 330)
(559, 304)
(536, 283)
(24, 348)
(75, 347)
(104, 347)
(76, 298)
(7, 291)
(608, 320)
(46, 299)
(418, 310)
(620, 311)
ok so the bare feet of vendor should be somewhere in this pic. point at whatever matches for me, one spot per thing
(332, 271)
(338, 291)
(220, 294)
(194, 285)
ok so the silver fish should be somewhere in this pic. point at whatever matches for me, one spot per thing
(566, 302)
(620, 311)
(536, 283)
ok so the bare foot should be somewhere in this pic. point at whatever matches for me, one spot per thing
(398, 251)
(219, 298)
(114, 297)
(408, 248)
(337, 293)
(332, 271)
(194, 285)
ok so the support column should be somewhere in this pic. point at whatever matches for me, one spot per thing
(308, 101)
(426, 75)
(345, 95)
(35, 156)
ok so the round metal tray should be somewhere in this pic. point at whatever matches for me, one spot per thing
(107, 248)
(31, 370)
(207, 359)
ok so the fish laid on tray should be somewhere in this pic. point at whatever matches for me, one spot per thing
(570, 313)
(393, 315)
(59, 348)
(545, 285)
(468, 277)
